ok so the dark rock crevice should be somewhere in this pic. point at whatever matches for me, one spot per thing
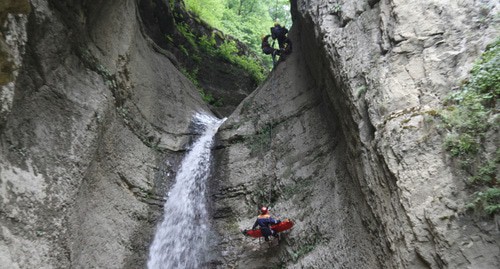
(343, 183)
(386, 175)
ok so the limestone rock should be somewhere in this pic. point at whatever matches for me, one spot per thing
(341, 138)
(97, 123)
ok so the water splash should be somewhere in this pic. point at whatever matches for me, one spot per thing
(181, 238)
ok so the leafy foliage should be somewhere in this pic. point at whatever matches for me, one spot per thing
(486, 72)
(191, 75)
(469, 109)
(488, 200)
(196, 45)
(246, 20)
(336, 9)
(190, 36)
(470, 113)
(208, 44)
(486, 174)
(210, 99)
(208, 10)
(229, 52)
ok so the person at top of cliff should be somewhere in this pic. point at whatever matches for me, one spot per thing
(264, 221)
(281, 33)
(268, 49)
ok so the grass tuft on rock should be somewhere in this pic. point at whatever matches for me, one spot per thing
(471, 119)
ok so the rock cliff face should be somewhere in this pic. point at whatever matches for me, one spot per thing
(227, 83)
(342, 139)
(95, 117)
(91, 134)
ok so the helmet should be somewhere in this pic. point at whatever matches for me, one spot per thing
(264, 210)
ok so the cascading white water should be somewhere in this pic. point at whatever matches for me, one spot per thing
(181, 238)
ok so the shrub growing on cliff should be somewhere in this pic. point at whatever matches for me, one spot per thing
(488, 200)
(470, 108)
(208, 44)
(245, 20)
(229, 52)
(190, 37)
(210, 99)
(471, 112)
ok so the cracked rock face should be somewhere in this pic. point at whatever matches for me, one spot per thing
(95, 128)
(341, 138)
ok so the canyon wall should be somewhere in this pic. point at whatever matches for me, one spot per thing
(93, 126)
(343, 138)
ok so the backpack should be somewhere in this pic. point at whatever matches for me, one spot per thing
(278, 31)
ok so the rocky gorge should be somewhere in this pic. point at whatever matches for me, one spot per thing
(342, 137)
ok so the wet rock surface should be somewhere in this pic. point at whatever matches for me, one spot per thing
(342, 139)
(95, 129)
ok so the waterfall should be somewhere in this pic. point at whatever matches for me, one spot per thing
(181, 238)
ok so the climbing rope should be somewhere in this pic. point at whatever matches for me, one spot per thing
(271, 153)
(273, 161)
(273, 164)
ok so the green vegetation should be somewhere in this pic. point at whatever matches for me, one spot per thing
(469, 115)
(336, 9)
(191, 75)
(236, 22)
(246, 20)
(186, 32)
(210, 99)
(227, 51)
(486, 173)
(208, 10)
(488, 200)
(207, 97)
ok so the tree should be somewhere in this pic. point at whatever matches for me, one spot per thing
(246, 20)
(280, 11)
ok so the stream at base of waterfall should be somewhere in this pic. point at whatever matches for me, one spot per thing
(181, 238)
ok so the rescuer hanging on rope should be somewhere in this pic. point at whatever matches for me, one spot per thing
(281, 33)
(285, 44)
(268, 49)
(268, 226)
(264, 221)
